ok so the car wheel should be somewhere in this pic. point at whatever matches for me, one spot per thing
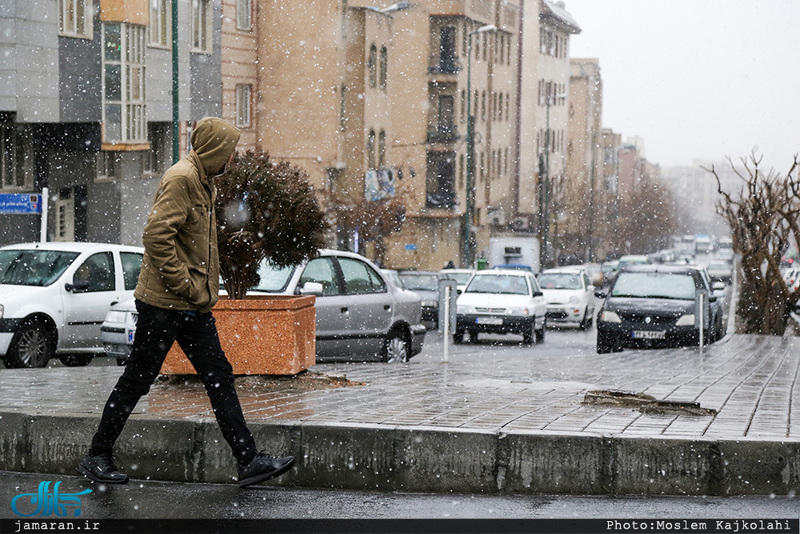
(540, 333)
(604, 345)
(76, 360)
(584, 324)
(458, 337)
(528, 334)
(473, 336)
(32, 346)
(396, 348)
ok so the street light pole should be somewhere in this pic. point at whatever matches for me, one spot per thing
(546, 172)
(468, 259)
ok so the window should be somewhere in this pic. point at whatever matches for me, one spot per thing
(160, 23)
(123, 83)
(243, 105)
(131, 265)
(382, 149)
(244, 14)
(463, 114)
(95, 274)
(371, 150)
(12, 159)
(159, 157)
(440, 180)
(384, 67)
(343, 109)
(446, 114)
(373, 53)
(201, 26)
(360, 278)
(321, 271)
(75, 18)
(107, 166)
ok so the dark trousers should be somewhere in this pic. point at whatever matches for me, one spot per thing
(196, 334)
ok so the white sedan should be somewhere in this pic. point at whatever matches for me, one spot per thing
(54, 296)
(501, 302)
(569, 295)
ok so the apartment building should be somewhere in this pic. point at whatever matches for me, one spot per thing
(585, 194)
(86, 108)
(371, 101)
(544, 121)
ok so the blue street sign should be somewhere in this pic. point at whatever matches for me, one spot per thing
(20, 203)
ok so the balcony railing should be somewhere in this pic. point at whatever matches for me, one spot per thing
(443, 134)
(447, 65)
(441, 199)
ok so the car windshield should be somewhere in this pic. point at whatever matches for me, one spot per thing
(33, 267)
(460, 278)
(425, 282)
(498, 283)
(560, 281)
(273, 279)
(655, 285)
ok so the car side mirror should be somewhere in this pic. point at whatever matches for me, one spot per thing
(600, 294)
(312, 288)
(80, 286)
(538, 294)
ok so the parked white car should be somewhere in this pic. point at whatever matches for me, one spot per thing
(570, 296)
(501, 302)
(54, 297)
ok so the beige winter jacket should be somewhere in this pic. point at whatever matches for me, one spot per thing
(180, 269)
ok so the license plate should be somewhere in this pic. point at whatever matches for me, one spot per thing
(649, 334)
(489, 320)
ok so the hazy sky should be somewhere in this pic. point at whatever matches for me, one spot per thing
(697, 79)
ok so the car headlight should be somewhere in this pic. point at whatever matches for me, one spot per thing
(115, 316)
(610, 317)
(686, 320)
(463, 308)
(518, 311)
(574, 300)
(430, 303)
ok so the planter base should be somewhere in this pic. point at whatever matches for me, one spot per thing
(273, 335)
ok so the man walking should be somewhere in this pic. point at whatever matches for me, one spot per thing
(178, 285)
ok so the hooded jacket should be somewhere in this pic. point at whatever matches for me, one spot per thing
(180, 268)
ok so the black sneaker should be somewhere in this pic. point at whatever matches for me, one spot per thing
(101, 468)
(262, 468)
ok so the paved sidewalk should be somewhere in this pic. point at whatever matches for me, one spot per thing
(730, 423)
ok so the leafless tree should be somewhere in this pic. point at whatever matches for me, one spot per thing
(764, 216)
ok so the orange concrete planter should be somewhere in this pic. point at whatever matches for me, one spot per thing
(270, 335)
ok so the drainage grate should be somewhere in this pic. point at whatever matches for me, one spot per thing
(645, 403)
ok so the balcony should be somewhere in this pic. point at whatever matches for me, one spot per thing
(442, 199)
(443, 134)
(447, 65)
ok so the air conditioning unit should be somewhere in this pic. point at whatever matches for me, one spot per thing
(497, 216)
(521, 224)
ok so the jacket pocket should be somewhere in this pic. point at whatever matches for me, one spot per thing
(199, 295)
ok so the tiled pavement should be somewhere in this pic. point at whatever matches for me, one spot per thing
(751, 382)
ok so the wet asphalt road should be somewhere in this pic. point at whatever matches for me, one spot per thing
(167, 500)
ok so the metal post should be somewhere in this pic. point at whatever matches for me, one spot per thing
(45, 201)
(468, 193)
(546, 188)
(468, 259)
(175, 85)
(447, 324)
